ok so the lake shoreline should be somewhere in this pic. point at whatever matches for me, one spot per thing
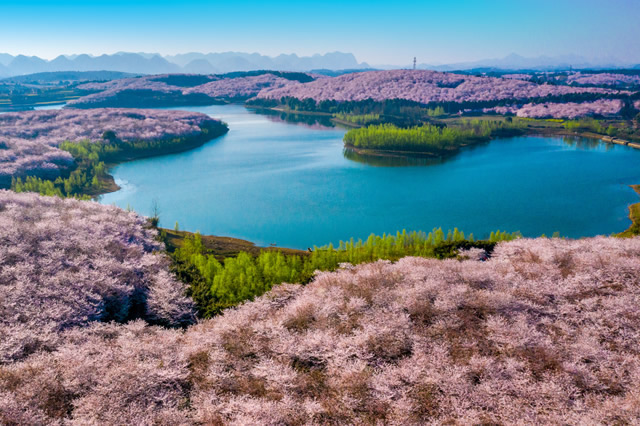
(536, 131)
(264, 162)
(634, 216)
(108, 183)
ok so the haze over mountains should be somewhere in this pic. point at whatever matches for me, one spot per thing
(198, 63)
(516, 62)
(212, 63)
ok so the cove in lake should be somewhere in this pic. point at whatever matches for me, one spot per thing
(269, 181)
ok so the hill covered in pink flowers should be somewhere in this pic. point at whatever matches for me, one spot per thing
(544, 331)
(29, 139)
(421, 86)
(601, 108)
(66, 263)
(183, 89)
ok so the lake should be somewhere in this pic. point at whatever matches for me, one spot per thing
(271, 181)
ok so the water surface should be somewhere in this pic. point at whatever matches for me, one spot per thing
(269, 181)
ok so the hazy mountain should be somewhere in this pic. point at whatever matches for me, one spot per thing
(143, 54)
(5, 58)
(4, 71)
(26, 65)
(223, 62)
(200, 66)
(238, 61)
(58, 76)
(197, 63)
(61, 63)
(122, 62)
(517, 62)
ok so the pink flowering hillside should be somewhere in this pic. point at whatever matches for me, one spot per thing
(182, 89)
(28, 139)
(244, 87)
(66, 264)
(600, 108)
(420, 86)
(544, 332)
(112, 89)
(603, 79)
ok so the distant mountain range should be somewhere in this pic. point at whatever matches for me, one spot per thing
(197, 63)
(540, 63)
(216, 63)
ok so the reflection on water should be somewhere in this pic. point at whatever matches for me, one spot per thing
(313, 121)
(586, 143)
(385, 160)
(399, 160)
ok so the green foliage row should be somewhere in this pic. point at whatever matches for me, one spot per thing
(77, 185)
(215, 285)
(85, 179)
(618, 128)
(435, 112)
(425, 138)
(377, 118)
(357, 118)
(589, 124)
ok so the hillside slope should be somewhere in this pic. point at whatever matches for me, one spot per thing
(420, 86)
(29, 140)
(545, 331)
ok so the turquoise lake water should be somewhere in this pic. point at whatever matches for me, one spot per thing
(270, 181)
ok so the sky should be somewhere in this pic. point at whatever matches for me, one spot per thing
(377, 32)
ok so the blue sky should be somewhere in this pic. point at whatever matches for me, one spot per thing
(378, 32)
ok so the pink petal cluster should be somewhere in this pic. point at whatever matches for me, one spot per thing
(543, 332)
(636, 104)
(420, 86)
(511, 109)
(603, 79)
(242, 87)
(28, 139)
(66, 263)
(603, 107)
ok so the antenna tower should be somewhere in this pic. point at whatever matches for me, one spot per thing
(414, 62)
